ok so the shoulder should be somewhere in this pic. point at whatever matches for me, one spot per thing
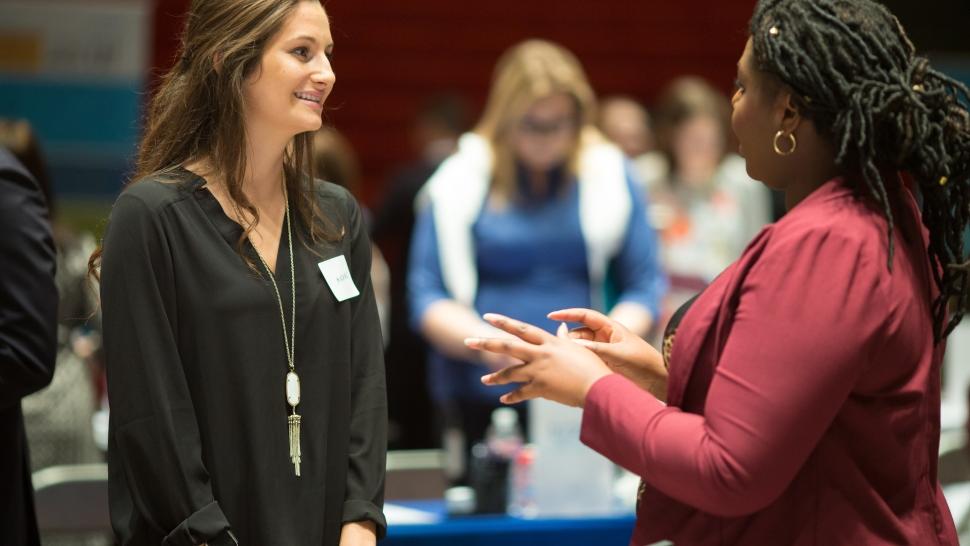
(330, 193)
(23, 208)
(339, 205)
(146, 202)
(10, 167)
(467, 170)
(334, 198)
(154, 192)
(833, 226)
(14, 177)
(834, 211)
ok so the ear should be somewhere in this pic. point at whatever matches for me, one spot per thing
(787, 111)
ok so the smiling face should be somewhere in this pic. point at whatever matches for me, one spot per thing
(285, 94)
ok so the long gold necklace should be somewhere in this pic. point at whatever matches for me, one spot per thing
(289, 344)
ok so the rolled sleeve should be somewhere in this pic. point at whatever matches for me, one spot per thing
(206, 522)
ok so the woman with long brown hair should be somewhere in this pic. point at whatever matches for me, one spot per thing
(243, 350)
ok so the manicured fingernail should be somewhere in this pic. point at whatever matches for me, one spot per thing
(471, 341)
(486, 378)
(563, 330)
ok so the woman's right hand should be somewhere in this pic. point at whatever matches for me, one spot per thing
(624, 352)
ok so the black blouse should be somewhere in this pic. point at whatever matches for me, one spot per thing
(196, 374)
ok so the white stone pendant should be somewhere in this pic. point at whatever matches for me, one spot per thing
(292, 389)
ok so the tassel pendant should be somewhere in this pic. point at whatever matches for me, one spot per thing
(294, 422)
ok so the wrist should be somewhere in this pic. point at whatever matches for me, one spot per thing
(593, 380)
(358, 533)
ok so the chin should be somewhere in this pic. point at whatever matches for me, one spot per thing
(754, 175)
(310, 125)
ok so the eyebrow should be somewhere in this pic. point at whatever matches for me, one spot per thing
(311, 39)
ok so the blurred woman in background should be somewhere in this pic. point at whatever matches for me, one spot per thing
(703, 203)
(534, 210)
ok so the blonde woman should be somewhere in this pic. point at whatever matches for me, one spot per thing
(242, 343)
(533, 211)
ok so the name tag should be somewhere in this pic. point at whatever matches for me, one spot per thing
(337, 274)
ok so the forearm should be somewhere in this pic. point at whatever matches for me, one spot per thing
(637, 318)
(446, 324)
(670, 449)
(358, 533)
(654, 383)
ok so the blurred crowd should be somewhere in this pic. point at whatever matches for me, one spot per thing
(554, 198)
(679, 165)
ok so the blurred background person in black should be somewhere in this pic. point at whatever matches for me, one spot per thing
(434, 136)
(58, 419)
(28, 334)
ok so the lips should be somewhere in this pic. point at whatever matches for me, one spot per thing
(315, 98)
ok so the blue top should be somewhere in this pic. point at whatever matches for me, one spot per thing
(531, 260)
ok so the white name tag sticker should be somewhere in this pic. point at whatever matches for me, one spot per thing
(337, 274)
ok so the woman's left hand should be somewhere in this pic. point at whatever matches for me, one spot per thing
(554, 367)
(358, 533)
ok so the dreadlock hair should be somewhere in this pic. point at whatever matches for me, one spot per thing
(856, 75)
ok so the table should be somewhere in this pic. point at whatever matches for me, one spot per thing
(424, 523)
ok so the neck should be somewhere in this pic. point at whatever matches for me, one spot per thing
(264, 165)
(264, 175)
(538, 182)
(814, 165)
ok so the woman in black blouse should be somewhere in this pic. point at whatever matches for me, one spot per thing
(243, 348)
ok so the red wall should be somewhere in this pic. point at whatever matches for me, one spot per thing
(390, 54)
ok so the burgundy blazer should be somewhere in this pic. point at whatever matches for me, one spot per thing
(804, 394)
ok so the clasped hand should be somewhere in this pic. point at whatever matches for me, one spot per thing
(563, 367)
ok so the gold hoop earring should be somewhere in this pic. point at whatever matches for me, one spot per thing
(791, 138)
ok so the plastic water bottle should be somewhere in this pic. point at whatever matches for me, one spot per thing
(504, 435)
(569, 479)
(522, 500)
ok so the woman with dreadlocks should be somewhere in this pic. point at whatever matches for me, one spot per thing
(803, 393)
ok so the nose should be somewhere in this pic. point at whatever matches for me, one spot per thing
(323, 73)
